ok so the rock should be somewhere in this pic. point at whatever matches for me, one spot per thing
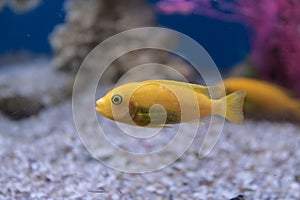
(88, 23)
(239, 197)
(18, 107)
(26, 88)
(297, 178)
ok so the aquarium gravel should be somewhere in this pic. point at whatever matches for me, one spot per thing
(42, 157)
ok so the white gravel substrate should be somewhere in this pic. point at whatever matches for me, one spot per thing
(43, 158)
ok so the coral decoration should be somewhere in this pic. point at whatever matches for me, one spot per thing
(177, 6)
(276, 27)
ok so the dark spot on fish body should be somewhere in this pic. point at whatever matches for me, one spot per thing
(143, 110)
(173, 118)
(141, 116)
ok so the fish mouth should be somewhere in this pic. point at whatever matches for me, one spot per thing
(102, 112)
(100, 108)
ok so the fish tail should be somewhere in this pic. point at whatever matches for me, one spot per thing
(234, 106)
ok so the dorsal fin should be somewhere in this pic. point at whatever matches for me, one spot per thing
(215, 91)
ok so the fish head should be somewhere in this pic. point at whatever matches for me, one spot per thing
(116, 104)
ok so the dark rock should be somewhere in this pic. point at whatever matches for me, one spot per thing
(19, 107)
(239, 197)
(28, 87)
(297, 178)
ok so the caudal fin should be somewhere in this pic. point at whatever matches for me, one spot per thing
(234, 106)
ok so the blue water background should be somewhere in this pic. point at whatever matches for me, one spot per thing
(227, 43)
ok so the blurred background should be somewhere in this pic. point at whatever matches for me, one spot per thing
(28, 29)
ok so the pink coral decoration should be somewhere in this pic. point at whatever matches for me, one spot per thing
(276, 27)
(177, 6)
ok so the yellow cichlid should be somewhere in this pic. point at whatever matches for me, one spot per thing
(265, 100)
(132, 103)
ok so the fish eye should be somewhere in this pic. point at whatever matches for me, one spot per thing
(116, 99)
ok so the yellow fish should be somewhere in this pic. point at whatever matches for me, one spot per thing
(265, 100)
(134, 103)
